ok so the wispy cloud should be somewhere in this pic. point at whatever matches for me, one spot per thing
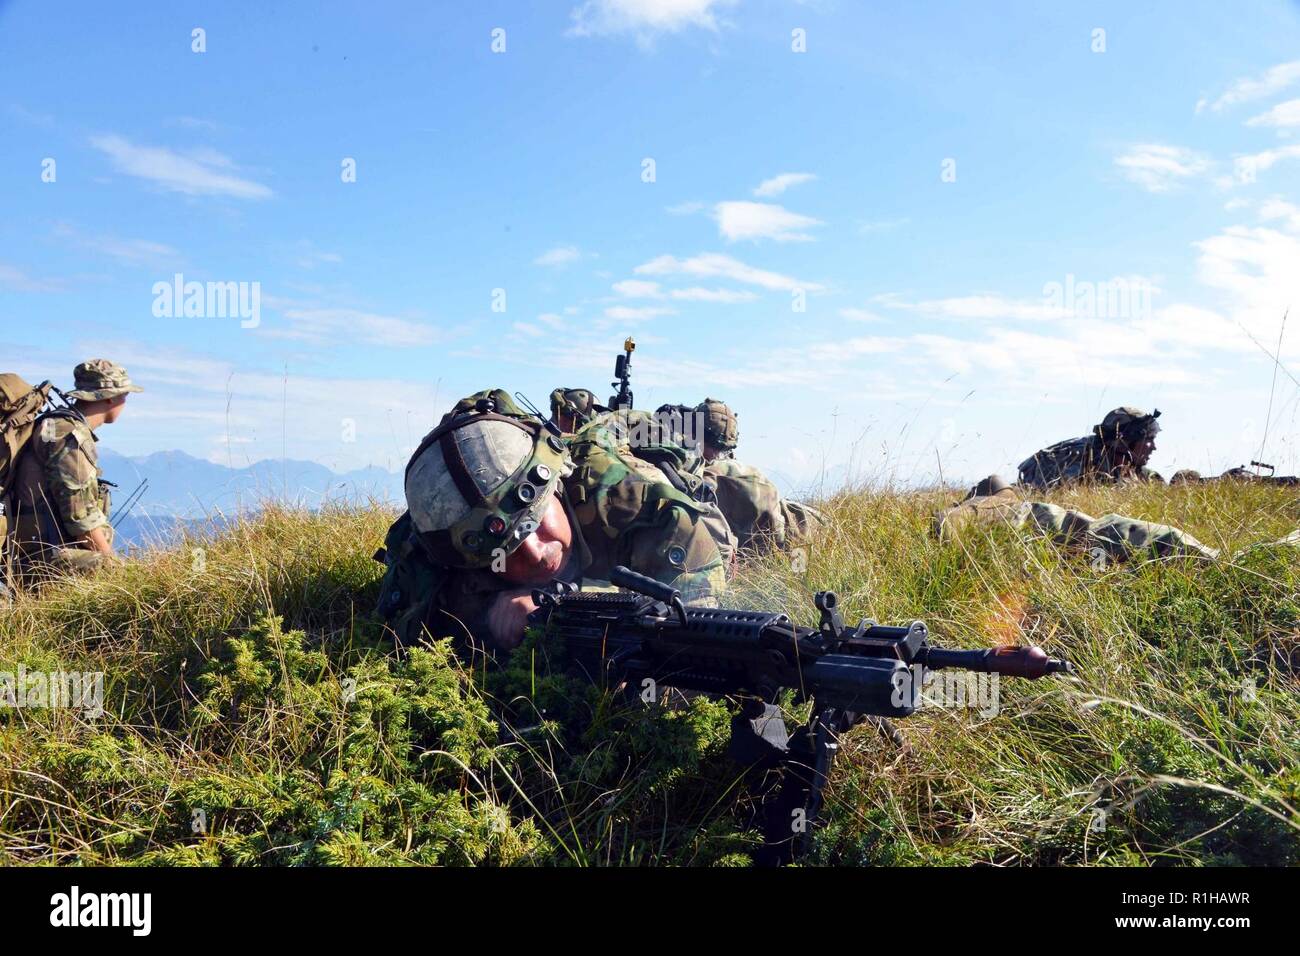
(638, 289)
(1268, 158)
(200, 172)
(11, 277)
(1249, 88)
(635, 313)
(781, 182)
(717, 265)
(685, 208)
(723, 296)
(982, 306)
(644, 18)
(132, 252)
(641, 289)
(1282, 115)
(559, 256)
(860, 315)
(27, 116)
(307, 256)
(740, 220)
(881, 225)
(1159, 169)
(1278, 209)
(338, 326)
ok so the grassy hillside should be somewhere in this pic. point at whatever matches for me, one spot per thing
(255, 714)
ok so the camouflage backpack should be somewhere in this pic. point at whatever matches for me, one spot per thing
(21, 405)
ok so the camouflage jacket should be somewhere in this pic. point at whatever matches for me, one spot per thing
(1078, 460)
(641, 437)
(623, 510)
(759, 517)
(57, 496)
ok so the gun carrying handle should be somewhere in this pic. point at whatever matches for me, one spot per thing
(630, 580)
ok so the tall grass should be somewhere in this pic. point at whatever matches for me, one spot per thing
(255, 714)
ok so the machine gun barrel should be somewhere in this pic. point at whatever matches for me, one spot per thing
(1028, 662)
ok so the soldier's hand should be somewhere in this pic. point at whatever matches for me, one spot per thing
(507, 617)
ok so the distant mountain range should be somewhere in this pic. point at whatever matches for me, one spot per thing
(183, 489)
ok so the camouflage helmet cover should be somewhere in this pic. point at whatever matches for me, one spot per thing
(480, 483)
(720, 427)
(578, 403)
(99, 379)
(1129, 422)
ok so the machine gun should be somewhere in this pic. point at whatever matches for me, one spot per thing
(1240, 473)
(1270, 478)
(622, 399)
(645, 637)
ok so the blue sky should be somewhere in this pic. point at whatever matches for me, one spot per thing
(1164, 152)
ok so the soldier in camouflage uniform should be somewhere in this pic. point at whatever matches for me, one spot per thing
(571, 408)
(760, 518)
(498, 504)
(1117, 450)
(653, 439)
(1114, 536)
(60, 506)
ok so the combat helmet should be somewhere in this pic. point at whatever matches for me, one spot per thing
(720, 427)
(480, 483)
(578, 403)
(1127, 424)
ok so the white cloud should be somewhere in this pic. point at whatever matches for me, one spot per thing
(644, 18)
(203, 172)
(1267, 158)
(133, 252)
(636, 313)
(1279, 209)
(14, 278)
(1284, 114)
(641, 289)
(984, 306)
(638, 289)
(196, 403)
(716, 265)
(559, 256)
(881, 225)
(307, 256)
(728, 296)
(1255, 267)
(1159, 168)
(339, 326)
(780, 183)
(1244, 90)
(860, 315)
(756, 220)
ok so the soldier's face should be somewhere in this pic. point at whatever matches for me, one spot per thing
(114, 410)
(543, 553)
(1142, 451)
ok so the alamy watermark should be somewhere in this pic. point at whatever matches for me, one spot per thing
(53, 689)
(919, 687)
(684, 428)
(208, 300)
(1117, 298)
